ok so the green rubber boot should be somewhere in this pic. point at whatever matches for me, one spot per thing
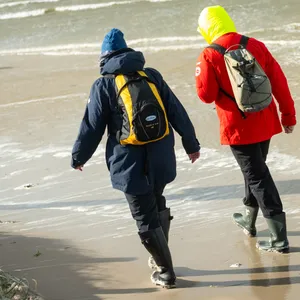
(278, 241)
(247, 221)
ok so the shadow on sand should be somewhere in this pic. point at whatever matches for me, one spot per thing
(61, 271)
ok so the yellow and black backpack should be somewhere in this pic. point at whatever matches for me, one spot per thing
(144, 118)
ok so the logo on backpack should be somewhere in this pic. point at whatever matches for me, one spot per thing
(150, 118)
(144, 118)
(251, 86)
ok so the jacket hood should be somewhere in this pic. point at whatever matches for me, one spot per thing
(124, 62)
(214, 22)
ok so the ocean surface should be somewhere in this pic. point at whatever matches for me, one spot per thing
(49, 52)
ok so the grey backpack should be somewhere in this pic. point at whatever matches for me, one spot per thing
(250, 84)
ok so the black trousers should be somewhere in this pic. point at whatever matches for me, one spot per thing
(144, 208)
(260, 189)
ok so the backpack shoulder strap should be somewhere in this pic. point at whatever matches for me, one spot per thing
(222, 50)
(244, 40)
(132, 78)
(218, 48)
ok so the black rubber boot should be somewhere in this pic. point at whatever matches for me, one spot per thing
(165, 221)
(247, 221)
(278, 241)
(156, 244)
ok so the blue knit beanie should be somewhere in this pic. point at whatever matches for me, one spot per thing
(113, 41)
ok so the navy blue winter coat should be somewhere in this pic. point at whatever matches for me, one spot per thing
(127, 163)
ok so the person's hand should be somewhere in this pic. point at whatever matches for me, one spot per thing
(194, 156)
(288, 129)
(79, 168)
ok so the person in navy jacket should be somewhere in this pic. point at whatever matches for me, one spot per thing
(143, 186)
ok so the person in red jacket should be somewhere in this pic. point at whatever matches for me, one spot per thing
(249, 137)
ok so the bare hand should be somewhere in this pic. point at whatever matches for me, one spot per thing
(194, 156)
(288, 129)
(79, 168)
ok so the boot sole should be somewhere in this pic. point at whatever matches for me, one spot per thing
(163, 284)
(167, 287)
(282, 251)
(246, 232)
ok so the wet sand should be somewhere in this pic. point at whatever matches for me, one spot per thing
(116, 268)
(83, 229)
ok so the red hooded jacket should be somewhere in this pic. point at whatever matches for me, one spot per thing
(211, 76)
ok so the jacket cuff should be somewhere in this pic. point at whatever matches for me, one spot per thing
(191, 145)
(75, 163)
(288, 120)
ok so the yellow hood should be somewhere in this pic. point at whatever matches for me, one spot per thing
(214, 22)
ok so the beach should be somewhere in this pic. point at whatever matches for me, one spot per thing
(68, 232)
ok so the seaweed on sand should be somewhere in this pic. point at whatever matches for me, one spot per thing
(14, 288)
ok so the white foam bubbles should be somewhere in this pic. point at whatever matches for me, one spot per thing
(147, 45)
(289, 28)
(11, 4)
(165, 39)
(30, 101)
(212, 159)
(90, 6)
(171, 43)
(23, 14)
(62, 154)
